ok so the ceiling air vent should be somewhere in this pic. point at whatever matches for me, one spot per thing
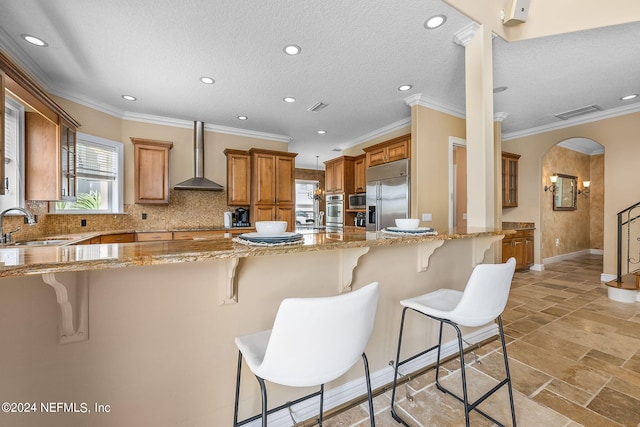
(578, 112)
(317, 106)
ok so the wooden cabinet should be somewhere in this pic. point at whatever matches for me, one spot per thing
(118, 238)
(388, 151)
(360, 174)
(68, 161)
(154, 236)
(273, 186)
(339, 175)
(151, 171)
(50, 159)
(238, 177)
(509, 180)
(519, 246)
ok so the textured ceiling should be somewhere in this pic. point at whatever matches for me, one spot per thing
(354, 56)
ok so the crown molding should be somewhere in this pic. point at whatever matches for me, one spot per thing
(464, 35)
(168, 121)
(376, 133)
(593, 117)
(423, 101)
(500, 116)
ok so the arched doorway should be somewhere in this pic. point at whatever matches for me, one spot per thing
(579, 229)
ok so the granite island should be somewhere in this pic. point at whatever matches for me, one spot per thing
(148, 328)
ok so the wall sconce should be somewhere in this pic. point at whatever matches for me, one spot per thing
(552, 187)
(586, 190)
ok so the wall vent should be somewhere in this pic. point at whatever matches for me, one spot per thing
(318, 106)
(578, 112)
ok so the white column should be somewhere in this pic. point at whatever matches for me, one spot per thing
(481, 168)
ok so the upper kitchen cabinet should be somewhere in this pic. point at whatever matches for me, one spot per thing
(238, 177)
(339, 175)
(272, 185)
(151, 171)
(50, 137)
(388, 151)
(50, 159)
(68, 161)
(360, 174)
(510, 180)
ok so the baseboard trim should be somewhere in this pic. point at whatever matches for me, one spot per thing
(604, 277)
(355, 389)
(537, 267)
(566, 256)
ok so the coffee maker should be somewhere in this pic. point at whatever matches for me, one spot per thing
(241, 218)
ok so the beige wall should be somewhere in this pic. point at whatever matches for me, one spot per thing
(181, 155)
(596, 201)
(619, 137)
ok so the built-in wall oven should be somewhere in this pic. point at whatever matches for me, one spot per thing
(335, 210)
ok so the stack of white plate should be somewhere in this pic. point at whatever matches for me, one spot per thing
(418, 230)
(287, 237)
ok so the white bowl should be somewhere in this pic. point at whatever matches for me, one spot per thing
(271, 228)
(407, 223)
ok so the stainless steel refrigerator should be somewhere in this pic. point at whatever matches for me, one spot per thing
(387, 194)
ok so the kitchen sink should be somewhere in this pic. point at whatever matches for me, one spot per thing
(50, 242)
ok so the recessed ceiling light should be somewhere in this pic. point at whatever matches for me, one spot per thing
(292, 49)
(322, 132)
(242, 117)
(404, 88)
(629, 97)
(35, 40)
(435, 22)
(499, 89)
(289, 99)
(129, 97)
(207, 80)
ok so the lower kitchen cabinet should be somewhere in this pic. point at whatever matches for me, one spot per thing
(154, 236)
(519, 246)
(275, 213)
(118, 238)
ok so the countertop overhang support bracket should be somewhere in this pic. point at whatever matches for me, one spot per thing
(481, 245)
(66, 331)
(347, 262)
(228, 287)
(425, 250)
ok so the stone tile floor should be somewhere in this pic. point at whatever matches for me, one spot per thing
(574, 357)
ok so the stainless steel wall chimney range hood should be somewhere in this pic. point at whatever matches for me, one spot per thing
(198, 182)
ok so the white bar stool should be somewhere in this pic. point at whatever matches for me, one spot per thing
(313, 341)
(482, 301)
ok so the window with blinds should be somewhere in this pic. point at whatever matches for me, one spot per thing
(96, 161)
(99, 177)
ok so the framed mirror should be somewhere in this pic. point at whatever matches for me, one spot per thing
(566, 195)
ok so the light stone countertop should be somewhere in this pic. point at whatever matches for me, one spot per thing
(23, 261)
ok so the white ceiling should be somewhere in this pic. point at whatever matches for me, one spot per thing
(354, 56)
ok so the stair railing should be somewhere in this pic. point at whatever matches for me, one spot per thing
(627, 218)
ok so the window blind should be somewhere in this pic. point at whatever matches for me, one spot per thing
(95, 161)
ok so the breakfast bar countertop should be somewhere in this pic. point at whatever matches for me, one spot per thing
(23, 261)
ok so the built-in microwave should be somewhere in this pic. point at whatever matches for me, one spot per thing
(358, 201)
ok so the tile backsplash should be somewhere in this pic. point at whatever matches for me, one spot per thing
(186, 209)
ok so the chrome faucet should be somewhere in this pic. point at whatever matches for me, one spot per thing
(6, 238)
